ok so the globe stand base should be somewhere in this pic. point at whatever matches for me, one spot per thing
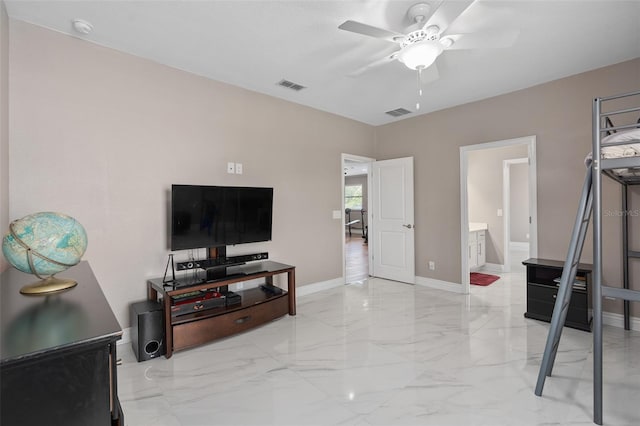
(48, 286)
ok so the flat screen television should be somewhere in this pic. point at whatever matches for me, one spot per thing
(216, 216)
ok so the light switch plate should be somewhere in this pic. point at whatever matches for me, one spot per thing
(337, 214)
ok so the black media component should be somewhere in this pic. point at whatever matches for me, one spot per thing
(147, 331)
(271, 289)
(232, 298)
(194, 301)
(217, 216)
(221, 261)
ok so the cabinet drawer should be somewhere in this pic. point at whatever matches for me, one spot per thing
(579, 299)
(542, 293)
(541, 301)
(544, 310)
(205, 330)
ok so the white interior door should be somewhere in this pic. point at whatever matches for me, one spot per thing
(392, 232)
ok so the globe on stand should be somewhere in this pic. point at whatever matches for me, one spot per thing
(44, 244)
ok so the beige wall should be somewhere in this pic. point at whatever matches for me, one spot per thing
(4, 125)
(484, 179)
(519, 202)
(102, 135)
(559, 114)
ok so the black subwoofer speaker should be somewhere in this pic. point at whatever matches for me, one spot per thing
(147, 330)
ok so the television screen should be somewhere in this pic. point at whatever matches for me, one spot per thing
(214, 216)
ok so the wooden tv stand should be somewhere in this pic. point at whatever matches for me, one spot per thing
(257, 306)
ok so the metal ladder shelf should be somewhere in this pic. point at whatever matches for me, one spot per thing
(569, 271)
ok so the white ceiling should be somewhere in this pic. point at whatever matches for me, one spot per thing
(255, 44)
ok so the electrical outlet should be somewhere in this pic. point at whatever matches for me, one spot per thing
(432, 265)
(231, 167)
(499, 212)
(238, 168)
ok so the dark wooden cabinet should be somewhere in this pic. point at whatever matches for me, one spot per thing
(256, 307)
(58, 354)
(543, 276)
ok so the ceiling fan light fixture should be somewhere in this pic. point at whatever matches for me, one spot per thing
(420, 55)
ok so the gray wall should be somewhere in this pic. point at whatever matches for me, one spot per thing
(108, 133)
(485, 180)
(4, 125)
(559, 114)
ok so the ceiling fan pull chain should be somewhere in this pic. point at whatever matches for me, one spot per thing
(419, 80)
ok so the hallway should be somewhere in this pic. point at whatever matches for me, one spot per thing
(357, 258)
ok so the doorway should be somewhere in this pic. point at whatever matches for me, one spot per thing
(515, 190)
(485, 163)
(356, 173)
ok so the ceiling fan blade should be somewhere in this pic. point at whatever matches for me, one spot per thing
(447, 13)
(479, 16)
(491, 39)
(371, 31)
(382, 61)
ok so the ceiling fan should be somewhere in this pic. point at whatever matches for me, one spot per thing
(434, 25)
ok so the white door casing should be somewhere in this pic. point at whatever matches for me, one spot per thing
(530, 141)
(392, 236)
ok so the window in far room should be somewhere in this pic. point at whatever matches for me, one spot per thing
(353, 197)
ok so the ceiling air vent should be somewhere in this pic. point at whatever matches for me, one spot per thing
(398, 112)
(291, 85)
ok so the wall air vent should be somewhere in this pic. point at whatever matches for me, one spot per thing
(398, 112)
(291, 85)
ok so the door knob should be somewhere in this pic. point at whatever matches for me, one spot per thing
(409, 226)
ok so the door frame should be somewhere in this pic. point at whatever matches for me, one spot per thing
(506, 207)
(530, 141)
(359, 159)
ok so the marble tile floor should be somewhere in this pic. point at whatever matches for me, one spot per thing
(384, 353)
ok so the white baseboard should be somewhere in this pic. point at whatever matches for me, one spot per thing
(617, 320)
(439, 284)
(492, 267)
(305, 290)
(126, 337)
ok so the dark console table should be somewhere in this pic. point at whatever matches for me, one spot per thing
(542, 289)
(58, 354)
(258, 305)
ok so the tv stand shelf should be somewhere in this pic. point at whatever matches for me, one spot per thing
(257, 306)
